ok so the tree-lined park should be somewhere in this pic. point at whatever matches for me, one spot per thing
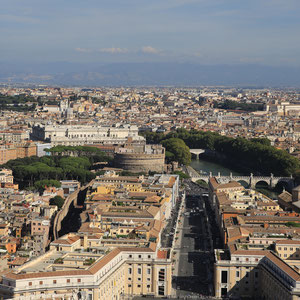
(35, 172)
(255, 154)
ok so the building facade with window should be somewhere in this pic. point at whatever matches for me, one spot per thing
(68, 270)
(254, 274)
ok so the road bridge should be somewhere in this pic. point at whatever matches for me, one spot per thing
(250, 181)
(196, 152)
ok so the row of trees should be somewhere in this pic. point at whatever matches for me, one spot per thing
(256, 154)
(17, 103)
(92, 153)
(234, 105)
(34, 172)
(177, 150)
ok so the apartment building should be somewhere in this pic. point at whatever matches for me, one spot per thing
(236, 273)
(288, 249)
(17, 150)
(14, 136)
(70, 269)
(255, 275)
(6, 176)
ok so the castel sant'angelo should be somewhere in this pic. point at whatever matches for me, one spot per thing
(140, 157)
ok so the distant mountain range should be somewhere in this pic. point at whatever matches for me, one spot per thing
(149, 74)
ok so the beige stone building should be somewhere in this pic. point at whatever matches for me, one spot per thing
(288, 249)
(70, 269)
(254, 274)
(70, 135)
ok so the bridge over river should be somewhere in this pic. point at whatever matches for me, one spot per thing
(196, 152)
(250, 180)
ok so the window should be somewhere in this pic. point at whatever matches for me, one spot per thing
(130, 256)
(247, 274)
(149, 256)
(148, 271)
(223, 292)
(161, 290)
(279, 248)
(54, 281)
(129, 285)
(41, 282)
(237, 259)
(247, 259)
(139, 278)
(148, 286)
(138, 285)
(129, 270)
(140, 256)
(129, 278)
(78, 280)
(68, 280)
(30, 283)
(224, 277)
(161, 275)
(291, 249)
(139, 271)
(237, 273)
(285, 248)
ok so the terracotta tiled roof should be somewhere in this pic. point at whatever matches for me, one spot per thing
(68, 241)
(46, 274)
(250, 252)
(288, 242)
(162, 254)
(92, 270)
(153, 210)
(283, 266)
(232, 184)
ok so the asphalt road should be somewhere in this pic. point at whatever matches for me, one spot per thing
(196, 256)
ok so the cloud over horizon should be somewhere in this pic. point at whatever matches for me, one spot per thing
(216, 31)
(114, 50)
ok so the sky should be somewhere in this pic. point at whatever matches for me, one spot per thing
(265, 32)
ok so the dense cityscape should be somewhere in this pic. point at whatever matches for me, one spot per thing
(102, 196)
(150, 150)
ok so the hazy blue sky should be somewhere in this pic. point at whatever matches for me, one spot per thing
(203, 31)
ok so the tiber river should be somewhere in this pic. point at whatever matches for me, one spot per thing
(207, 166)
(204, 167)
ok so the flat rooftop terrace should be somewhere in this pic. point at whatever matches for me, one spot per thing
(63, 261)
